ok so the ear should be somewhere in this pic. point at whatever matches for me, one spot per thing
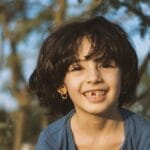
(62, 90)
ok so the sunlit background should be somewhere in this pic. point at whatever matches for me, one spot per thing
(24, 24)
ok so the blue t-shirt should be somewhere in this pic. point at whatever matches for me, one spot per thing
(58, 135)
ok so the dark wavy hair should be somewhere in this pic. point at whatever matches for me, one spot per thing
(60, 49)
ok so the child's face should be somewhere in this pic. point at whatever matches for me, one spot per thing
(93, 87)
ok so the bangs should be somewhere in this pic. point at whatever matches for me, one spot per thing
(107, 43)
(100, 50)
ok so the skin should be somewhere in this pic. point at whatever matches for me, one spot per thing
(94, 89)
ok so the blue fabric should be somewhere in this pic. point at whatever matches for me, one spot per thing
(58, 135)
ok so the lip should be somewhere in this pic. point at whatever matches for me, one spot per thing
(95, 95)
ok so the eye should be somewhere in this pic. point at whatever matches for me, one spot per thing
(75, 67)
(108, 64)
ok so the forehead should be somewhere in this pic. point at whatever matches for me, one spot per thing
(89, 49)
(84, 48)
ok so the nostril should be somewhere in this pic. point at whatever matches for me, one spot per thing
(94, 81)
(94, 78)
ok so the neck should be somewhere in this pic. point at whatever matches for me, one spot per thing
(95, 124)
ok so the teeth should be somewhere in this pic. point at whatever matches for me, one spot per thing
(95, 93)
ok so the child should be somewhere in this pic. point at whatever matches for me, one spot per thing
(87, 71)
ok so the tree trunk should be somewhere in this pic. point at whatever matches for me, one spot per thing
(60, 12)
(20, 123)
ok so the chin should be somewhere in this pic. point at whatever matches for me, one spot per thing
(101, 110)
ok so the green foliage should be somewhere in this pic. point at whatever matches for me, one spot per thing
(6, 130)
(33, 125)
(19, 18)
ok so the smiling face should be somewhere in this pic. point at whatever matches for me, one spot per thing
(94, 87)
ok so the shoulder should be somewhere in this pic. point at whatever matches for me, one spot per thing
(138, 130)
(136, 120)
(52, 135)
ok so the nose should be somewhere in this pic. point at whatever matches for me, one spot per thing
(94, 75)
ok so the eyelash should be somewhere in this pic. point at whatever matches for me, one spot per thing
(78, 67)
(75, 68)
(107, 65)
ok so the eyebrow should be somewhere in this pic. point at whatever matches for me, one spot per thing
(78, 60)
(102, 60)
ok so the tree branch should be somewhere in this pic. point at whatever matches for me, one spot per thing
(144, 65)
(146, 19)
(145, 93)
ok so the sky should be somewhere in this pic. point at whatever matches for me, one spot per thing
(142, 46)
(131, 25)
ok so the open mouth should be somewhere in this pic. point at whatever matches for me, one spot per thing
(95, 95)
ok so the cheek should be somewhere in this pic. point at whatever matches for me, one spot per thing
(113, 79)
(72, 83)
(73, 86)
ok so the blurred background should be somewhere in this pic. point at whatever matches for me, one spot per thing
(24, 24)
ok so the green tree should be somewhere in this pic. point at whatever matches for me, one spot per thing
(19, 19)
